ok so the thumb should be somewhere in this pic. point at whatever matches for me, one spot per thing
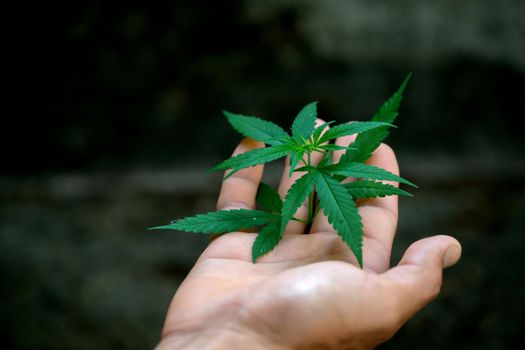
(416, 280)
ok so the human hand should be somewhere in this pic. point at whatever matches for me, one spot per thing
(309, 291)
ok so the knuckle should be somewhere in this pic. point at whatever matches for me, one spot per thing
(228, 204)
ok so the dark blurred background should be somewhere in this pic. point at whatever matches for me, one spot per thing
(121, 119)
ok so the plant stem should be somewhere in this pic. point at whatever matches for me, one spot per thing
(311, 208)
(310, 199)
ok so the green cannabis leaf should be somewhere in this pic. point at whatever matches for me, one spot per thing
(320, 187)
(304, 123)
(367, 142)
(365, 189)
(267, 239)
(350, 129)
(354, 169)
(256, 128)
(221, 221)
(341, 211)
(252, 158)
(268, 198)
(295, 197)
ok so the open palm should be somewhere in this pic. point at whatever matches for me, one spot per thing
(309, 291)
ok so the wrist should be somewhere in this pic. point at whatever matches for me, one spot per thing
(218, 339)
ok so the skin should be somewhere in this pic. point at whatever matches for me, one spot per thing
(308, 293)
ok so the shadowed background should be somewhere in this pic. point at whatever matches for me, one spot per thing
(124, 118)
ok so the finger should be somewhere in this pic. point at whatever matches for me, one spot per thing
(417, 279)
(379, 215)
(240, 189)
(296, 227)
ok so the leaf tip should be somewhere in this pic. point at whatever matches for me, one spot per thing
(162, 227)
(411, 184)
(406, 182)
(231, 118)
(405, 82)
(217, 167)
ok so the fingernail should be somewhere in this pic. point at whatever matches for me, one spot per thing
(452, 255)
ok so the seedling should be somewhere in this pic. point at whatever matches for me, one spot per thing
(321, 183)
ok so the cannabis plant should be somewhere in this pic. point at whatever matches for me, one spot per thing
(321, 184)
